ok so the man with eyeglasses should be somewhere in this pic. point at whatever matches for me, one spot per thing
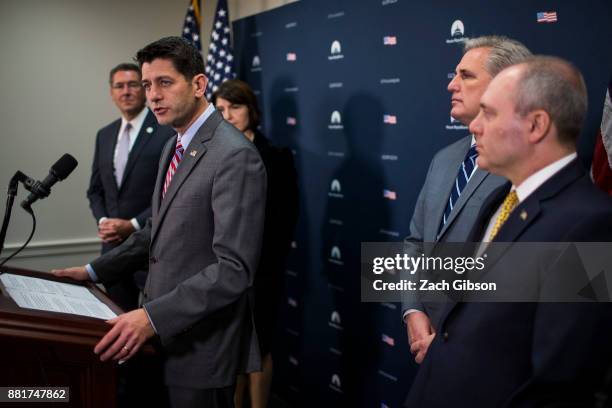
(123, 174)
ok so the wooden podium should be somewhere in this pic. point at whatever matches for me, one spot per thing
(49, 349)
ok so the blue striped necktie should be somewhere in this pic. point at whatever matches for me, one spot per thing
(465, 172)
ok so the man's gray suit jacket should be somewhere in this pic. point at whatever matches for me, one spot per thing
(203, 245)
(431, 204)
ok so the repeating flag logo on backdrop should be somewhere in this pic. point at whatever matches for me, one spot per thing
(546, 17)
(389, 194)
(390, 119)
(390, 40)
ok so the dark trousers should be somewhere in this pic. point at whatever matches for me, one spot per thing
(195, 398)
(141, 383)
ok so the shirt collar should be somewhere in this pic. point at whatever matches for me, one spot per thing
(538, 178)
(195, 126)
(136, 122)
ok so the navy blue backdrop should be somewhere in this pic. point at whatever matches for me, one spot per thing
(357, 89)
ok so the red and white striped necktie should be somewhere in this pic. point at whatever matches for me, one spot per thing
(176, 160)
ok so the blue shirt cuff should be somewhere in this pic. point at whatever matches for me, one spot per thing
(149, 317)
(135, 224)
(92, 273)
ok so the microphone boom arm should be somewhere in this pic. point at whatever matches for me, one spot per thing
(28, 183)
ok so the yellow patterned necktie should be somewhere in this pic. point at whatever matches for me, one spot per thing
(510, 202)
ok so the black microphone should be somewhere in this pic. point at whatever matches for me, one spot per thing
(58, 172)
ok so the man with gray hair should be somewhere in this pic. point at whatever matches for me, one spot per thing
(455, 186)
(527, 354)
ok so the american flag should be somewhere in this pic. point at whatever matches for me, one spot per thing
(547, 16)
(219, 63)
(388, 340)
(601, 168)
(390, 119)
(390, 40)
(191, 28)
(391, 195)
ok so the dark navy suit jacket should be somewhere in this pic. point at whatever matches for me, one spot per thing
(526, 354)
(133, 198)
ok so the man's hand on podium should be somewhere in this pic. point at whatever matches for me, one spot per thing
(130, 331)
(76, 272)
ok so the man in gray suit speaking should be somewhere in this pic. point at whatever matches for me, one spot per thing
(455, 187)
(202, 243)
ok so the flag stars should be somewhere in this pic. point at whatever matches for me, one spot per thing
(191, 29)
(220, 56)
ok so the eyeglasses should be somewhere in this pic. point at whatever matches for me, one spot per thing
(131, 85)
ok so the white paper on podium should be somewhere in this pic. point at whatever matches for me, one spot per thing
(42, 294)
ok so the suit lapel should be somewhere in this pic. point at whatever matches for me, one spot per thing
(193, 153)
(447, 183)
(520, 218)
(477, 178)
(141, 141)
(489, 206)
(527, 211)
(108, 155)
